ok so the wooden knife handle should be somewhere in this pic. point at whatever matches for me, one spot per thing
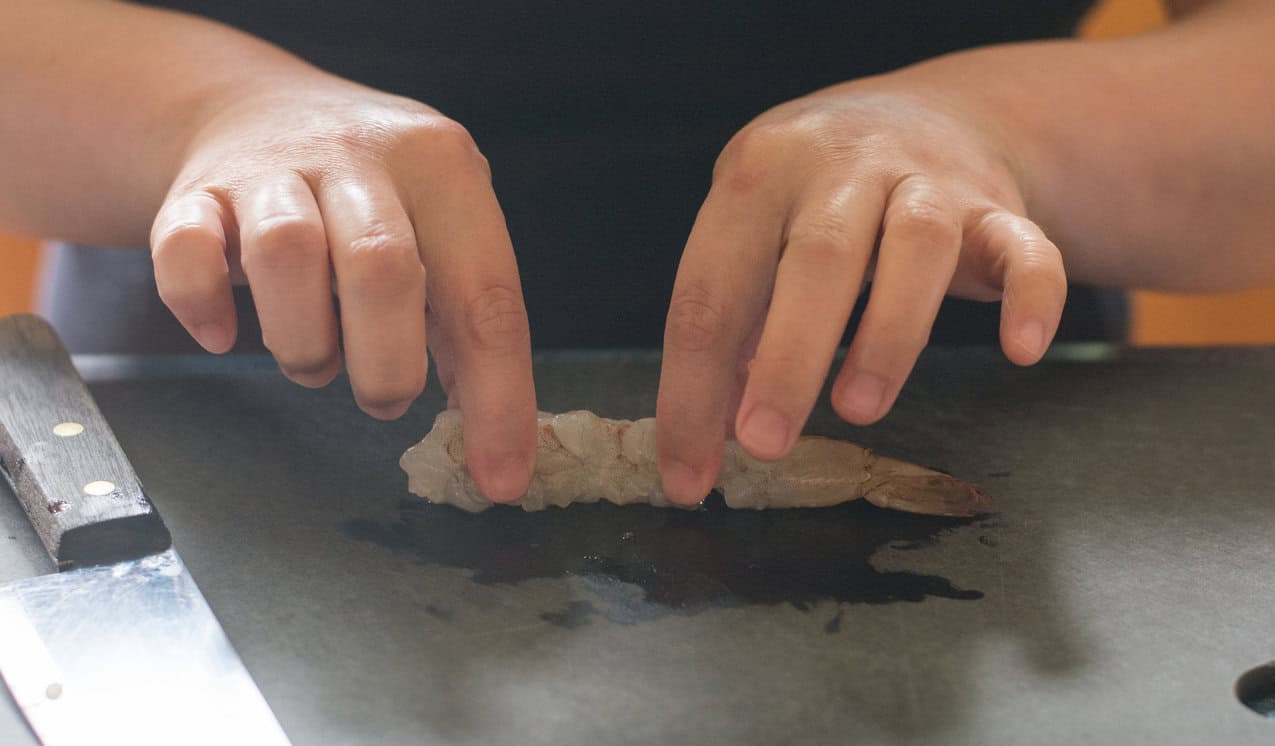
(62, 459)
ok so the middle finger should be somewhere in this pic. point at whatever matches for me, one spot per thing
(381, 284)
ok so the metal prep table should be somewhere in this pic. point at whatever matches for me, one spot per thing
(1124, 582)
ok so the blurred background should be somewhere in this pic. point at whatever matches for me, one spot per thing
(1158, 319)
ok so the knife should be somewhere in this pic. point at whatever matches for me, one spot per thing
(119, 646)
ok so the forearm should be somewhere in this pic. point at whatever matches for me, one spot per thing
(1151, 160)
(100, 100)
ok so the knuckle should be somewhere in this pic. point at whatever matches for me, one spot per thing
(183, 234)
(381, 250)
(789, 367)
(1023, 248)
(747, 160)
(1040, 252)
(1005, 229)
(452, 147)
(497, 320)
(283, 242)
(172, 245)
(822, 238)
(924, 221)
(823, 258)
(382, 262)
(696, 320)
(450, 132)
(191, 217)
(1040, 266)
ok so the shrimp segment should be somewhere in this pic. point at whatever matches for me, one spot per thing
(584, 458)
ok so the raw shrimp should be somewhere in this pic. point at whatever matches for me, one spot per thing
(584, 458)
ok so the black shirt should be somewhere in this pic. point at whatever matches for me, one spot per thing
(602, 120)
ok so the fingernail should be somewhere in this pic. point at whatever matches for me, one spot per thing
(212, 336)
(681, 483)
(1031, 336)
(863, 396)
(508, 480)
(765, 431)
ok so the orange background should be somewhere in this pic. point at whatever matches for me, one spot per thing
(17, 270)
(1157, 319)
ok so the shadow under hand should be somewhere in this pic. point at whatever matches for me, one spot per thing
(683, 562)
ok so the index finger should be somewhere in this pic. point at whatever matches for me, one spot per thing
(475, 296)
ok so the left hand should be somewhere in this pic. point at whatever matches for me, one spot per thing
(808, 202)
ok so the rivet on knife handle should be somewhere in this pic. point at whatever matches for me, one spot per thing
(62, 459)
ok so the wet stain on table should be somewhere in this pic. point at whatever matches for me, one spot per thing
(643, 563)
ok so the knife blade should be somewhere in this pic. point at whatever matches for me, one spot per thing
(120, 645)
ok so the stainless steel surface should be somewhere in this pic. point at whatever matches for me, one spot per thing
(120, 647)
(1118, 592)
(127, 653)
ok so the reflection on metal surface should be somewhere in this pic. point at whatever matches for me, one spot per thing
(68, 429)
(127, 653)
(1256, 689)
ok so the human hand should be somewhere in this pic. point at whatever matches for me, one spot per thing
(807, 202)
(326, 188)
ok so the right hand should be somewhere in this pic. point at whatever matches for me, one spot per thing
(328, 188)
